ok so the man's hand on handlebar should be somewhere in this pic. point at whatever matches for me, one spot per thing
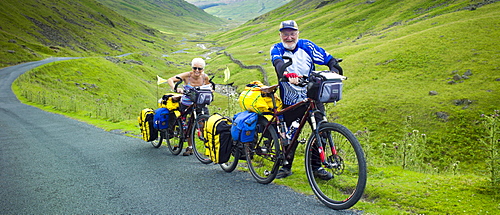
(293, 78)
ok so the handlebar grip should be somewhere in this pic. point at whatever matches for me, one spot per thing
(286, 64)
(302, 80)
(177, 84)
(212, 83)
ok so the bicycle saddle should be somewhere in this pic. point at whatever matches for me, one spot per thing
(269, 89)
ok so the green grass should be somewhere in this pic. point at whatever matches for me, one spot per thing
(173, 16)
(393, 190)
(37, 30)
(392, 70)
(394, 53)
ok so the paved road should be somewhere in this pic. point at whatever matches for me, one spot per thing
(50, 164)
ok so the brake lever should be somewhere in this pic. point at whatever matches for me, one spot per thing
(303, 81)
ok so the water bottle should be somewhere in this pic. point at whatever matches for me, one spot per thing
(283, 131)
(293, 128)
(184, 124)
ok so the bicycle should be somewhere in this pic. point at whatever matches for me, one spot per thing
(188, 126)
(338, 151)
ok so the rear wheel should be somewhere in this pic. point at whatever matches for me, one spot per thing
(344, 159)
(198, 140)
(161, 138)
(263, 155)
(231, 164)
(173, 137)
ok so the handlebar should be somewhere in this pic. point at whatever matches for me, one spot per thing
(303, 81)
(287, 64)
(177, 84)
(211, 82)
(180, 82)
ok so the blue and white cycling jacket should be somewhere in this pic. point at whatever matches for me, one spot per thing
(304, 57)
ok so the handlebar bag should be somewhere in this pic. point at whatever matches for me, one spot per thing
(325, 87)
(202, 95)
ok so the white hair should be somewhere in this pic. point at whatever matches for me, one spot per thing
(198, 60)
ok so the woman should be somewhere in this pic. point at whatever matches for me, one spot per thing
(194, 78)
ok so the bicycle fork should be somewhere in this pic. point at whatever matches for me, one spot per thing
(319, 141)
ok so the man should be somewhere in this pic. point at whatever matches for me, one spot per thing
(304, 54)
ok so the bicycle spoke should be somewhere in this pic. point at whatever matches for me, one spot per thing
(231, 164)
(198, 140)
(263, 154)
(174, 137)
(347, 167)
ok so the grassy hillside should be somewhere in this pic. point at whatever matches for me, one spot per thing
(395, 53)
(172, 16)
(236, 10)
(37, 30)
(421, 75)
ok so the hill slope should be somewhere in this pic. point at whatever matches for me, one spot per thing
(172, 16)
(237, 10)
(36, 30)
(395, 53)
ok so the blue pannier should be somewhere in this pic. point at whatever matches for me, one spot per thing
(244, 126)
(161, 118)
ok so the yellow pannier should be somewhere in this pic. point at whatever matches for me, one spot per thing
(251, 99)
(169, 101)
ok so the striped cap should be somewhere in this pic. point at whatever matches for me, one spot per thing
(290, 24)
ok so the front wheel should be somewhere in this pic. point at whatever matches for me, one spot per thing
(198, 139)
(344, 159)
(263, 155)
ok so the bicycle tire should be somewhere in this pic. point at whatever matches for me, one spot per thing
(198, 139)
(232, 163)
(263, 155)
(174, 137)
(157, 143)
(348, 167)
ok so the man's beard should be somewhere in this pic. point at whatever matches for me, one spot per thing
(290, 46)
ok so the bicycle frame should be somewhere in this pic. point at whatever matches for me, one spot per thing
(190, 111)
(309, 113)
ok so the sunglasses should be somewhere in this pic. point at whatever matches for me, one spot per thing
(197, 68)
